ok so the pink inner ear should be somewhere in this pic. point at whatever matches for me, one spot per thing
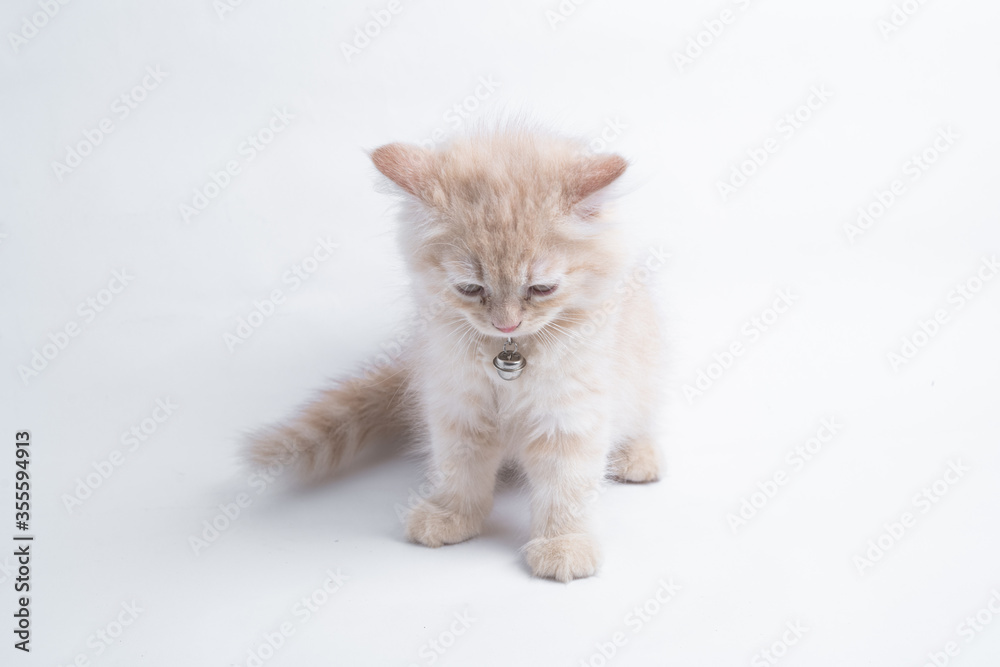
(406, 166)
(595, 174)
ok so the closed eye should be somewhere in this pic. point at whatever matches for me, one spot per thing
(470, 289)
(542, 290)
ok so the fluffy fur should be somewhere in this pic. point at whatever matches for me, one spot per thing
(501, 230)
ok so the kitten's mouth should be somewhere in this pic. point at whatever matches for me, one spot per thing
(520, 331)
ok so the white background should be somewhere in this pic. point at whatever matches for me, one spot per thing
(684, 129)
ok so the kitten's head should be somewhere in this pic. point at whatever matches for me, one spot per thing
(505, 229)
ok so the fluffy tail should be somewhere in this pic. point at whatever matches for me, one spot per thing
(330, 430)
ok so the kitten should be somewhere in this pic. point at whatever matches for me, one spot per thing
(505, 236)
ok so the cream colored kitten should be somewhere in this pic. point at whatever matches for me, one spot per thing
(505, 236)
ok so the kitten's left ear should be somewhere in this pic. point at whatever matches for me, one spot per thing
(593, 174)
(407, 166)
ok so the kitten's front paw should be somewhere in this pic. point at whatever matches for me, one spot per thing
(433, 525)
(563, 558)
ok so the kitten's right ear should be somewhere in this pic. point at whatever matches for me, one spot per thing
(594, 174)
(407, 166)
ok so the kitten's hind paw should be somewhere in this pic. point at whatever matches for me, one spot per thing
(433, 525)
(563, 558)
(636, 461)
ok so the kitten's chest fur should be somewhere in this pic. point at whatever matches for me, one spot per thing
(565, 386)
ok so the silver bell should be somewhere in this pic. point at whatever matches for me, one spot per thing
(509, 364)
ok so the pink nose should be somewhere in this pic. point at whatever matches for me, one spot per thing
(508, 329)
